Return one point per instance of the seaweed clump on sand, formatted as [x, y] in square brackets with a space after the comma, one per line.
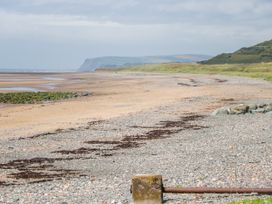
[38, 97]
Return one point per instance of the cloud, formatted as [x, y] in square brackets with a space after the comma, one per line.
[82, 28]
[149, 11]
[108, 4]
[77, 28]
[231, 7]
[134, 27]
[19, 23]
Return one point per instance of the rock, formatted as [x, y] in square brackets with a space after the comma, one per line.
[244, 108]
[85, 94]
[268, 108]
[259, 110]
[269, 113]
[239, 109]
[252, 107]
[221, 111]
[262, 105]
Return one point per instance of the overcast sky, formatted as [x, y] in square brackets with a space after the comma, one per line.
[60, 34]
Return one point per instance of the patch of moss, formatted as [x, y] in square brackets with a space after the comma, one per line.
[32, 98]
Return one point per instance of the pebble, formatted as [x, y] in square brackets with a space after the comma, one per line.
[226, 153]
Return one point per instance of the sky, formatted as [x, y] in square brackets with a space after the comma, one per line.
[61, 34]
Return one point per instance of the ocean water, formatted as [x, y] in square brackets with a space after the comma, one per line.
[53, 78]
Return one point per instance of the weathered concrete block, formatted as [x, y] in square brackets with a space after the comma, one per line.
[147, 189]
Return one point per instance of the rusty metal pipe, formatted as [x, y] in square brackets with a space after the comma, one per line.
[202, 190]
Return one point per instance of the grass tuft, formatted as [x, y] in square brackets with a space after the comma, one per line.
[257, 201]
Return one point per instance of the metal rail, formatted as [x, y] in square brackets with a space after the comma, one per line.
[202, 190]
[150, 189]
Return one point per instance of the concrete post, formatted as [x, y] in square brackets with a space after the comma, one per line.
[147, 189]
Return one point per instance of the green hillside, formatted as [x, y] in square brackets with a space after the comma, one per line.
[258, 53]
[258, 70]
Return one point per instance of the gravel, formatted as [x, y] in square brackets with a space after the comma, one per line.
[214, 151]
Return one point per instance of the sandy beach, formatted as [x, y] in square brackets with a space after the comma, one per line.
[113, 94]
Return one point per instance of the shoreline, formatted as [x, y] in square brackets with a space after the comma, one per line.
[116, 94]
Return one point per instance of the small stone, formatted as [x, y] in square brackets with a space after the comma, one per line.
[259, 110]
[220, 111]
[85, 94]
[252, 107]
[268, 108]
[262, 105]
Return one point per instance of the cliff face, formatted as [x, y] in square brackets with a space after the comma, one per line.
[261, 52]
[115, 62]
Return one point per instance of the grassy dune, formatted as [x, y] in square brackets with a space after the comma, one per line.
[260, 70]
